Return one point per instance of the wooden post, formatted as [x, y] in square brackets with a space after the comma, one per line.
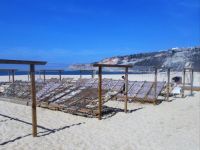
[92, 74]
[44, 73]
[13, 76]
[33, 94]
[40, 75]
[60, 75]
[80, 74]
[28, 75]
[126, 89]
[155, 84]
[191, 88]
[168, 83]
[183, 83]
[9, 75]
[100, 91]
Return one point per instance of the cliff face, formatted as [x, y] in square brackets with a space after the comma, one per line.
[176, 58]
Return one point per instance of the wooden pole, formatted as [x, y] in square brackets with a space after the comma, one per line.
[28, 75]
[100, 91]
[33, 94]
[92, 73]
[168, 83]
[9, 75]
[80, 74]
[191, 88]
[126, 89]
[13, 76]
[60, 76]
[44, 73]
[183, 83]
[155, 83]
[40, 74]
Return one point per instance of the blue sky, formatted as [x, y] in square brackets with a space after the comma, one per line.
[84, 31]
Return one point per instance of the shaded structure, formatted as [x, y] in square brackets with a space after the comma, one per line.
[148, 91]
[52, 70]
[100, 66]
[33, 91]
[168, 81]
[11, 72]
[191, 71]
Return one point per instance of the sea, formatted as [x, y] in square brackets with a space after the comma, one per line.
[68, 73]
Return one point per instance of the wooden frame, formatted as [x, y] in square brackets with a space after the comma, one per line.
[33, 91]
[85, 70]
[10, 72]
[191, 70]
[100, 66]
[47, 70]
[168, 80]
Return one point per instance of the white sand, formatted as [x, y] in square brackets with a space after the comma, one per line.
[132, 77]
[169, 126]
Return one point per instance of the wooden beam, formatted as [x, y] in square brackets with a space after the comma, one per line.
[126, 89]
[183, 94]
[112, 65]
[168, 83]
[33, 94]
[25, 62]
[100, 91]
[5, 70]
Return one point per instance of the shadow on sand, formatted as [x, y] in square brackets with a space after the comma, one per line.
[40, 134]
[114, 111]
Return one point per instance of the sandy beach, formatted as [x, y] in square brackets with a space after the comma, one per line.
[171, 125]
[99, 75]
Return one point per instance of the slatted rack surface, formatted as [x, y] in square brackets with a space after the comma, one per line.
[81, 96]
[160, 86]
[143, 92]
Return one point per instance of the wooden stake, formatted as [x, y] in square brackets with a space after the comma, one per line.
[9, 75]
[28, 76]
[60, 75]
[44, 75]
[168, 83]
[100, 91]
[33, 94]
[40, 74]
[191, 88]
[92, 73]
[183, 83]
[126, 89]
[13, 76]
[155, 83]
[80, 74]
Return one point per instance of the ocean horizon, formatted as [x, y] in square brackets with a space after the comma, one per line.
[71, 73]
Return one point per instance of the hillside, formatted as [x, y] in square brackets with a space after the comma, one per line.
[176, 58]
